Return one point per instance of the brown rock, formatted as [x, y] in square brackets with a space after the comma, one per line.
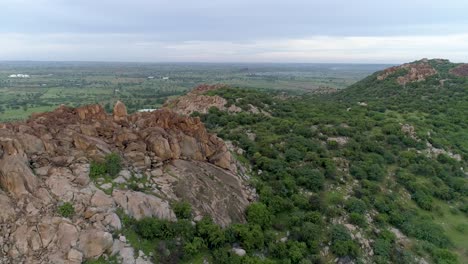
[140, 205]
[120, 112]
[16, 177]
[67, 236]
[416, 71]
[94, 243]
[7, 211]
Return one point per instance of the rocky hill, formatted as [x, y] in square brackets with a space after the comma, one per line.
[203, 97]
[374, 173]
[50, 162]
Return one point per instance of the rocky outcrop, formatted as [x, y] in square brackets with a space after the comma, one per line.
[415, 72]
[120, 112]
[198, 101]
[140, 205]
[45, 163]
[93, 243]
[209, 189]
[460, 71]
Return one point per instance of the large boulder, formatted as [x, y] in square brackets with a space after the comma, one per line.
[140, 205]
[120, 112]
[94, 242]
[16, 176]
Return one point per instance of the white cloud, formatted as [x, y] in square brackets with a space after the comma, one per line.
[144, 48]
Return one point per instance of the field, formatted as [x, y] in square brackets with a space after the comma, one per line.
[143, 86]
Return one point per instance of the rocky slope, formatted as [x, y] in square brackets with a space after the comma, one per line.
[416, 71]
[199, 101]
[45, 162]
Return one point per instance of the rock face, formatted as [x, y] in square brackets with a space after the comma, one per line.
[197, 101]
[460, 71]
[416, 71]
[202, 184]
[120, 112]
[45, 162]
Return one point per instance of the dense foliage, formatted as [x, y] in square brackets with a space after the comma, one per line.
[373, 182]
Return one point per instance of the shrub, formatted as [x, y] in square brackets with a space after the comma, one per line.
[357, 219]
[211, 233]
[113, 164]
[382, 248]
[355, 205]
[342, 244]
[194, 247]
[183, 210]
[152, 228]
[258, 214]
[96, 170]
[66, 209]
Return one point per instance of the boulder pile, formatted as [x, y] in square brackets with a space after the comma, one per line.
[45, 165]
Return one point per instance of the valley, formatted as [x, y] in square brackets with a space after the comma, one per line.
[148, 86]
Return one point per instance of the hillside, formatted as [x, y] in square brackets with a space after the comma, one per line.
[70, 178]
[374, 173]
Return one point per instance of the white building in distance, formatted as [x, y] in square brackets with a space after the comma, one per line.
[19, 76]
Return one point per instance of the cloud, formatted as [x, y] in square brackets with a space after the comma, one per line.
[144, 48]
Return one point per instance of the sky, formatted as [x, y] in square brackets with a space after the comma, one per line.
[331, 31]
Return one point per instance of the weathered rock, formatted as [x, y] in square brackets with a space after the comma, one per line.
[139, 205]
[239, 251]
[416, 71]
[210, 190]
[16, 177]
[94, 243]
[60, 145]
[120, 112]
[67, 236]
[100, 199]
[75, 256]
[7, 211]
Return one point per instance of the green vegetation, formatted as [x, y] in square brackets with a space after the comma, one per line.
[378, 167]
[66, 210]
[143, 86]
[384, 175]
[110, 167]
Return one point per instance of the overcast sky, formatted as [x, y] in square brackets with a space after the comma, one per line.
[359, 31]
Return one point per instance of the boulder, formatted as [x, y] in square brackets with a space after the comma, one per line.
[120, 112]
[67, 236]
[239, 251]
[16, 177]
[94, 242]
[100, 199]
[140, 205]
[7, 210]
[75, 256]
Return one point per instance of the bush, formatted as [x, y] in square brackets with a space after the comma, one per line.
[211, 233]
[355, 205]
[258, 214]
[97, 170]
[152, 228]
[382, 248]
[342, 244]
[183, 210]
[113, 164]
[194, 247]
[66, 209]
[358, 219]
